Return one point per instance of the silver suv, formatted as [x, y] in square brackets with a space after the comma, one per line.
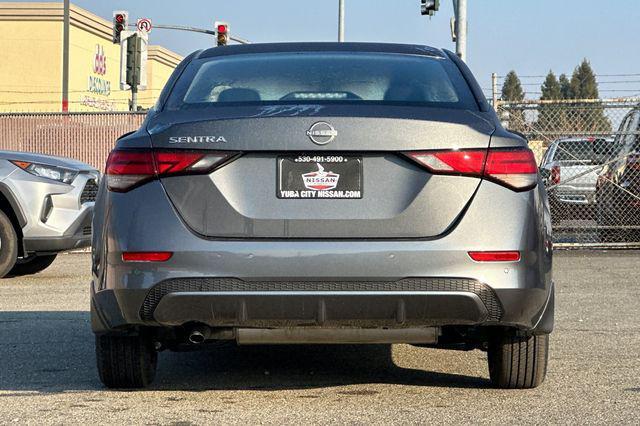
[322, 193]
[46, 206]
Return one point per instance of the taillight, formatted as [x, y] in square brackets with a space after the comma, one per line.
[127, 169]
[555, 175]
[514, 168]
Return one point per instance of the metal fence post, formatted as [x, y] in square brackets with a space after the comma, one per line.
[494, 91]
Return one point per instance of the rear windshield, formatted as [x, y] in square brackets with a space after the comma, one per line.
[574, 151]
[321, 77]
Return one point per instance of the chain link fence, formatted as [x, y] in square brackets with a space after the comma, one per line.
[588, 154]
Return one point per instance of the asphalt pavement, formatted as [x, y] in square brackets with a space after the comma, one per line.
[47, 372]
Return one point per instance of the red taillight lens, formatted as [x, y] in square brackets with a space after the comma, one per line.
[127, 169]
[469, 162]
[515, 168]
[495, 256]
[155, 256]
[555, 175]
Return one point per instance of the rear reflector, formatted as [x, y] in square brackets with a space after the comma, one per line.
[495, 256]
[514, 168]
[155, 256]
[127, 169]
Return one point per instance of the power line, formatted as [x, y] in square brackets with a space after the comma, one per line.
[597, 82]
[57, 92]
[596, 75]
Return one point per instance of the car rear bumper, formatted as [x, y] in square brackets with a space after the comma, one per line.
[576, 196]
[443, 302]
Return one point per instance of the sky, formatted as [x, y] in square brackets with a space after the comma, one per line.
[528, 36]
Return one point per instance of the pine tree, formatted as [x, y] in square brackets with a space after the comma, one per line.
[565, 87]
[587, 117]
[512, 92]
[550, 117]
[511, 88]
[551, 89]
[583, 82]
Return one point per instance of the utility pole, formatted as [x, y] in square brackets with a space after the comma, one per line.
[65, 56]
[341, 20]
[494, 90]
[460, 7]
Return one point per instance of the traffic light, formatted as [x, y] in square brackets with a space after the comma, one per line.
[429, 7]
[134, 60]
[222, 32]
[120, 21]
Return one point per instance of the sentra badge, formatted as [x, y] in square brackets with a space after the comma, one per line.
[197, 139]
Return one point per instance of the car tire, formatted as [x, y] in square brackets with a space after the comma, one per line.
[518, 362]
[32, 265]
[8, 245]
[126, 362]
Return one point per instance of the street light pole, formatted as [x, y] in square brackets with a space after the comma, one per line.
[65, 56]
[341, 20]
[461, 28]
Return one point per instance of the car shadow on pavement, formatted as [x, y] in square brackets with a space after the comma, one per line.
[51, 352]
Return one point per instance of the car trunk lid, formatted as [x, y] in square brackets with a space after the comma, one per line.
[395, 198]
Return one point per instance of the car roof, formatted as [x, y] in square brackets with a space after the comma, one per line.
[407, 49]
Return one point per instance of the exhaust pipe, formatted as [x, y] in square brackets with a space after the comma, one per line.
[202, 333]
[197, 336]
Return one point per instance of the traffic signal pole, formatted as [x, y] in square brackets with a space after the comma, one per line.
[460, 7]
[341, 21]
[65, 56]
[199, 30]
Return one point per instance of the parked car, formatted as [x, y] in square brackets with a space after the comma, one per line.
[568, 166]
[46, 207]
[618, 189]
[322, 193]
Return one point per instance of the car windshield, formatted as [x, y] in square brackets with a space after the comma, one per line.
[321, 77]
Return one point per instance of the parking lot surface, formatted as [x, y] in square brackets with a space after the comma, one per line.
[47, 372]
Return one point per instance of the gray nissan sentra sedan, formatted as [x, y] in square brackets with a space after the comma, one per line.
[312, 193]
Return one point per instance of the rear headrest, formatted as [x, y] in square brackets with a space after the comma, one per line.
[239, 95]
[404, 93]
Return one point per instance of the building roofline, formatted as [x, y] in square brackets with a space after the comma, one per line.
[164, 55]
[79, 18]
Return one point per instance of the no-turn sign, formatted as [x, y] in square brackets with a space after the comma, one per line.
[144, 25]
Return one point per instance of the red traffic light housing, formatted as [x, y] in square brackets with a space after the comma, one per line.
[120, 20]
[222, 33]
